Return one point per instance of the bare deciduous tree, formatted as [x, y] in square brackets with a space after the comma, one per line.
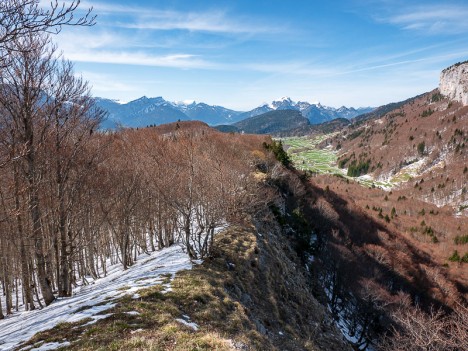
[20, 18]
[416, 330]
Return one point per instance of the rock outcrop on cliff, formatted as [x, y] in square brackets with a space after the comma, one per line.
[454, 82]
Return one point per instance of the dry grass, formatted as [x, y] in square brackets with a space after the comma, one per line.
[248, 296]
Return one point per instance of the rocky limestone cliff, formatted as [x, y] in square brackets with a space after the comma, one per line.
[454, 82]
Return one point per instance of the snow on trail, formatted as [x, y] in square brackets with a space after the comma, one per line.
[95, 298]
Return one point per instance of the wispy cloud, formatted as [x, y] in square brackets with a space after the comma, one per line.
[182, 61]
[109, 47]
[431, 18]
[297, 68]
[208, 21]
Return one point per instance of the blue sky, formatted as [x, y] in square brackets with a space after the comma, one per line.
[241, 53]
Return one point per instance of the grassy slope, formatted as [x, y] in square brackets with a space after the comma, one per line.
[308, 156]
[250, 296]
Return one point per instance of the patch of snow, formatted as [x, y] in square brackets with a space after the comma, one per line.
[191, 325]
[366, 177]
[414, 168]
[133, 313]
[440, 161]
[90, 300]
[167, 288]
[94, 319]
[342, 322]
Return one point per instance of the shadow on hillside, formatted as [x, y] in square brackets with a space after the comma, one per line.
[366, 249]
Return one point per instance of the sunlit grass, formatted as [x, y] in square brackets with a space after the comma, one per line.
[307, 156]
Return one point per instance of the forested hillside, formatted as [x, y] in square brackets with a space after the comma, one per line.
[419, 147]
[72, 197]
[273, 122]
[228, 246]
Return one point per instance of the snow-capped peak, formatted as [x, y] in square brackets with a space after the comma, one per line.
[282, 103]
[185, 102]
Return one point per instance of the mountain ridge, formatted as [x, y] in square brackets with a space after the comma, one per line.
[146, 111]
[271, 122]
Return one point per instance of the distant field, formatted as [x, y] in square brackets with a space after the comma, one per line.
[306, 156]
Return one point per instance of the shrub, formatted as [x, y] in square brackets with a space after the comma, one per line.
[277, 148]
[429, 231]
[342, 163]
[461, 239]
[427, 112]
[356, 169]
[421, 148]
[436, 97]
[455, 257]
[355, 134]
[278, 215]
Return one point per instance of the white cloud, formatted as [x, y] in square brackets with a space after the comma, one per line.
[210, 21]
[119, 48]
[431, 18]
[184, 61]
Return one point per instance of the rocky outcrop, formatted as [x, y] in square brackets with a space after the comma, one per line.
[454, 82]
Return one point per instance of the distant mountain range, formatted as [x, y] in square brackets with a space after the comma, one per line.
[273, 122]
[315, 113]
[155, 111]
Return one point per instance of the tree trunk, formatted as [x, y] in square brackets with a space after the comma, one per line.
[26, 278]
[161, 242]
[7, 287]
[25, 273]
[63, 278]
[192, 254]
[34, 208]
[1, 312]
[70, 271]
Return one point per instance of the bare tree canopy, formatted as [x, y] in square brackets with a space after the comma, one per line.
[20, 17]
